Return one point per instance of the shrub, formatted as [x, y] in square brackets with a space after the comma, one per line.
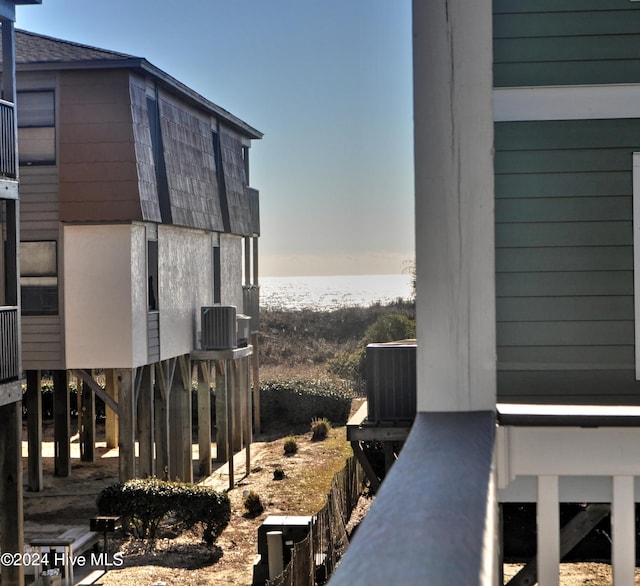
[297, 402]
[252, 503]
[146, 503]
[290, 445]
[278, 474]
[320, 428]
[388, 327]
[201, 504]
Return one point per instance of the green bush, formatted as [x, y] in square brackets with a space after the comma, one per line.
[202, 504]
[148, 502]
[290, 445]
[252, 503]
[296, 402]
[306, 336]
[320, 428]
[388, 327]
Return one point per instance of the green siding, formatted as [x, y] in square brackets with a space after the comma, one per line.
[565, 258]
[568, 42]
[564, 261]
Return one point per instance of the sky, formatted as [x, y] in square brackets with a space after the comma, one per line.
[328, 82]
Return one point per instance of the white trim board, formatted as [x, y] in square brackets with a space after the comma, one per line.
[581, 102]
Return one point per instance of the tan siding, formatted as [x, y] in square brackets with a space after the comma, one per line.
[96, 148]
[42, 343]
[36, 80]
[39, 209]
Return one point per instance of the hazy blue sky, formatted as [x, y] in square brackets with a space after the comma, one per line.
[329, 84]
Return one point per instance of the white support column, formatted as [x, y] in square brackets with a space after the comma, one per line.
[453, 121]
[548, 531]
[623, 524]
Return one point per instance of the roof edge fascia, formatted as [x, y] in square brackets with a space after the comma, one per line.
[141, 64]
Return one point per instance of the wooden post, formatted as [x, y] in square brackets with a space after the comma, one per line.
[248, 436]
[255, 366]
[230, 422]
[237, 395]
[126, 423]
[87, 422]
[34, 430]
[111, 419]
[222, 454]
[161, 412]
[204, 418]
[11, 520]
[61, 423]
[180, 444]
[455, 245]
[146, 424]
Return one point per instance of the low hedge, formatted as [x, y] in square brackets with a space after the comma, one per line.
[298, 402]
[148, 502]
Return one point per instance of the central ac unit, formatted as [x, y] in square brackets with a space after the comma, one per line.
[219, 330]
[391, 381]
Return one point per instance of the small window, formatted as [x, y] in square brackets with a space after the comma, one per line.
[152, 274]
[39, 278]
[36, 128]
[217, 281]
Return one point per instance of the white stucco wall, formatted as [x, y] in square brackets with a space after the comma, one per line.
[105, 291]
[105, 296]
[185, 277]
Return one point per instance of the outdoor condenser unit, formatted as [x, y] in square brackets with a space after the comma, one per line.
[219, 330]
[391, 381]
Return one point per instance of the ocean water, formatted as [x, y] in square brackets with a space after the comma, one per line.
[332, 292]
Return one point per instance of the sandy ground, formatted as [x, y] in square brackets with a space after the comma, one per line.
[185, 560]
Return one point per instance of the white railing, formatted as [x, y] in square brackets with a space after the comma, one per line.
[566, 454]
[433, 521]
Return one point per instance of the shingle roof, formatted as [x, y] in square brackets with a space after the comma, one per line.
[34, 48]
[35, 51]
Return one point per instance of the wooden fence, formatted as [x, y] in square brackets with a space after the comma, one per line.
[314, 558]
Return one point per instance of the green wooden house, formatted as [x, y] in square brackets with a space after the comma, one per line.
[567, 134]
[527, 142]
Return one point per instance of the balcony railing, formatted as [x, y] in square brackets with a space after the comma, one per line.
[433, 521]
[9, 347]
[8, 163]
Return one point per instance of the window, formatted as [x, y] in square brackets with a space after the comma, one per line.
[36, 128]
[152, 274]
[39, 278]
[217, 281]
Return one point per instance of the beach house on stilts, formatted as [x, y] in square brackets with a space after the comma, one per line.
[528, 377]
[137, 214]
[11, 520]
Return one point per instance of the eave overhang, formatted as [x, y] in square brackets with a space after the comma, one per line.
[164, 79]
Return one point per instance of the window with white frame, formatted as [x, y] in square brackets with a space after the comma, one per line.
[39, 277]
[36, 127]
